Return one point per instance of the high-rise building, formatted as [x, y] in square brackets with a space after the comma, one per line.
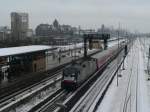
[43, 30]
[19, 25]
[4, 33]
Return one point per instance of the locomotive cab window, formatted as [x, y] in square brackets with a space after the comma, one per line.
[73, 75]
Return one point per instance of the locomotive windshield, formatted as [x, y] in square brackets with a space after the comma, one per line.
[71, 71]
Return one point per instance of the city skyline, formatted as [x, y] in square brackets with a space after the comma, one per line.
[132, 14]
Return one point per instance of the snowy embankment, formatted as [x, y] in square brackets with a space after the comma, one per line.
[131, 95]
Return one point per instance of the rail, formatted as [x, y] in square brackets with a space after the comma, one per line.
[71, 101]
[28, 94]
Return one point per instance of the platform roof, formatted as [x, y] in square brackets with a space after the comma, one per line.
[11, 51]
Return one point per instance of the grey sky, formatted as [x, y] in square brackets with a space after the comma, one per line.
[132, 14]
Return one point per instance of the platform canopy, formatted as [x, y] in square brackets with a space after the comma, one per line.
[11, 51]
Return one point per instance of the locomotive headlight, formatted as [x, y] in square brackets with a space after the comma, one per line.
[73, 74]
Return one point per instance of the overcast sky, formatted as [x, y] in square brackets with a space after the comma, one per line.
[132, 14]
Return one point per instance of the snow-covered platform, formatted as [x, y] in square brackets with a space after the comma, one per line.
[133, 92]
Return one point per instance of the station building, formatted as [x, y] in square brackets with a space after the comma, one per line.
[24, 59]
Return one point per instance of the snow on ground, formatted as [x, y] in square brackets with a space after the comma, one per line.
[79, 45]
[145, 43]
[131, 95]
[113, 43]
[72, 46]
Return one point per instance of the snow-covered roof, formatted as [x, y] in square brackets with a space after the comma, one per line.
[23, 49]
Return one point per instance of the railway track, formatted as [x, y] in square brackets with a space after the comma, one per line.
[132, 93]
[32, 96]
[84, 104]
[12, 98]
[28, 82]
[127, 96]
[92, 98]
[72, 100]
[137, 85]
[53, 103]
[29, 88]
[21, 86]
[60, 97]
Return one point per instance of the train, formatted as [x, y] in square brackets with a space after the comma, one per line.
[78, 72]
